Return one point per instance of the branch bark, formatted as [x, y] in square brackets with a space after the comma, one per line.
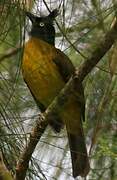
[11, 52]
[59, 101]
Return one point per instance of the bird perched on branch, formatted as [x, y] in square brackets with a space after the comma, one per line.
[46, 69]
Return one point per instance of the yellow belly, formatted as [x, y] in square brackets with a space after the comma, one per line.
[40, 72]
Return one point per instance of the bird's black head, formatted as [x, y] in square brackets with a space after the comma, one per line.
[42, 27]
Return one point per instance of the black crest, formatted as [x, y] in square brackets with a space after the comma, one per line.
[42, 27]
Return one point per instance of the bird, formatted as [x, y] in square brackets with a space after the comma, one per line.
[46, 70]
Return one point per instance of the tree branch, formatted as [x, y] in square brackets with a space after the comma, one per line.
[59, 101]
[11, 52]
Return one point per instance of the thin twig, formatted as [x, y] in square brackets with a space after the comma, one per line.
[11, 52]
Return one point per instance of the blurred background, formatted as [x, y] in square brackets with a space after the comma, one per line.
[80, 27]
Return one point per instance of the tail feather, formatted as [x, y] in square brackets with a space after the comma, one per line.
[80, 161]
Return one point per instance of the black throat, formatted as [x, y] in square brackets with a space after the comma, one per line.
[47, 37]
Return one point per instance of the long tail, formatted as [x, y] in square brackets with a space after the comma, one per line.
[80, 161]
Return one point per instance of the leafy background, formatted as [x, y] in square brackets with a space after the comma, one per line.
[80, 26]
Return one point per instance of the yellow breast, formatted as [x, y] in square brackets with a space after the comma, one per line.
[40, 72]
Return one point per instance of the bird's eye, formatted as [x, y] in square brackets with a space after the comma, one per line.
[41, 24]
